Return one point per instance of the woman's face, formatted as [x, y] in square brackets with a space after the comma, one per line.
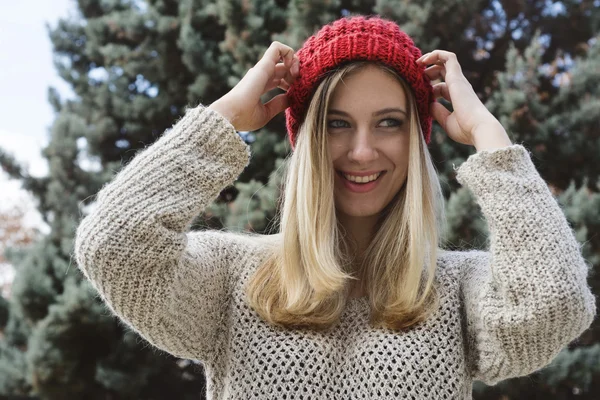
[368, 130]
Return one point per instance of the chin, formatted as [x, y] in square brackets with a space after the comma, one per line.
[360, 212]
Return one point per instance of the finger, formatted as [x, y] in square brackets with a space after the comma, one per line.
[259, 77]
[447, 58]
[283, 72]
[295, 68]
[257, 80]
[440, 114]
[272, 85]
[277, 83]
[276, 105]
[275, 53]
[289, 77]
[436, 72]
[265, 73]
[458, 85]
[441, 90]
[292, 72]
[284, 85]
[280, 70]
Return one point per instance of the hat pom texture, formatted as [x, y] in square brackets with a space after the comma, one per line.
[353, 39]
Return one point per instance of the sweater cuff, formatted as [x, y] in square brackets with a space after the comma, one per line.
[513, 159]
[209, 129]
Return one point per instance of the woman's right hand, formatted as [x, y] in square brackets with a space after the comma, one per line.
[242, 106]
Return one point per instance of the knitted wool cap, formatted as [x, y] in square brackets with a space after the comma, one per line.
[350, 39]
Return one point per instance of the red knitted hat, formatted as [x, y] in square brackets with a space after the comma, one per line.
[350, 39]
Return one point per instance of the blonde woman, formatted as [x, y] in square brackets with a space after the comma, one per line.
[352, 298]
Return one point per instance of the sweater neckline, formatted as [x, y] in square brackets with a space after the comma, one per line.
[356, 302]
[357, 298]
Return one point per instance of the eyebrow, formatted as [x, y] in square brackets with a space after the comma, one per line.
[375, 114]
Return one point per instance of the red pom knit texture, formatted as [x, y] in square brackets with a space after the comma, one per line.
[353, 39]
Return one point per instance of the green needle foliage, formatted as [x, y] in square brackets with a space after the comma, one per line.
[135, 65]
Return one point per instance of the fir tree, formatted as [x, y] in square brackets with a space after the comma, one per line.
[136, 65]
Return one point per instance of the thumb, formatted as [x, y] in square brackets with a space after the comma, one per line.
[440, 114]
[276, 105]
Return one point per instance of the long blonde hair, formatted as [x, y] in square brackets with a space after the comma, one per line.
[305, 281]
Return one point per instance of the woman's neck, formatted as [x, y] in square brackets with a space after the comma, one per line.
[360, 230]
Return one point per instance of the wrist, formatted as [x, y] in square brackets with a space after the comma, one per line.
[490, 136]
[221, 108]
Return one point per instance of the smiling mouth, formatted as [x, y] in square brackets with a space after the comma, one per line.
[361, 180]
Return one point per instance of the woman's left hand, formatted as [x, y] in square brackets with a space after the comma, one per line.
[470, 123]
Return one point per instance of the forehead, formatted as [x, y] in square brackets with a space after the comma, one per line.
[367, 89]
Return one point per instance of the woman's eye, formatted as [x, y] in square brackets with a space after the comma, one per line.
[337, 123]
[391, 122]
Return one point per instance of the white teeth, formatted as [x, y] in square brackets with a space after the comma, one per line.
[362, 179]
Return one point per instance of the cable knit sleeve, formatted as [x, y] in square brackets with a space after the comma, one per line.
[169, 285]
[527, 297]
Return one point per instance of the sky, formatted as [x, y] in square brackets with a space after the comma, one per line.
[26, 72]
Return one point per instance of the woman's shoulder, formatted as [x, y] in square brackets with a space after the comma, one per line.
[457, 262]
[236, 252]
[228, 243]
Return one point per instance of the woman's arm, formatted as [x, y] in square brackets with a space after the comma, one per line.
[169, 286]
[528, 297]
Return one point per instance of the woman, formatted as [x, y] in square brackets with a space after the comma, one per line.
[352, 299]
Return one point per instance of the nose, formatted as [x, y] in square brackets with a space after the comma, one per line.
[362, 148]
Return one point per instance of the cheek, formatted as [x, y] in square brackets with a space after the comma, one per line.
[397, 152]
[336, 150]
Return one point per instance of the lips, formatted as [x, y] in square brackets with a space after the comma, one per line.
[358, 187]
[361, 179]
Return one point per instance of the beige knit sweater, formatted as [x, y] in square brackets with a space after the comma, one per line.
[504, 313]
